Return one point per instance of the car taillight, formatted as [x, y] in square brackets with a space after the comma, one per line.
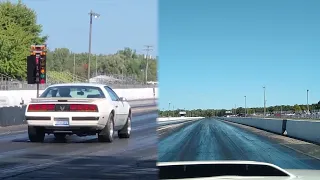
[41, 107]
[84, 107]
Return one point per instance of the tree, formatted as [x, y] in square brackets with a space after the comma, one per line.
[221, 112]
[297, 108]
[123, 63]
[270, 109]
[18, 30]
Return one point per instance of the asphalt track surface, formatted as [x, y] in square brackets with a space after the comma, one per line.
[212, 139]
[83, 157]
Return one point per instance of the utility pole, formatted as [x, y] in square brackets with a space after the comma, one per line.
[95, 15]
[308, 101]
[74, 66]
[245, 106]
[172, 110]
[169, 110]
[147, 49]
[264, 102]
[96, 65]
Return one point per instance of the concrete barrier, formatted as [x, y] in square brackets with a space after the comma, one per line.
[304, 130]
[272, 125]
[172, 120]
[16, 97]
[13, 115]
[299, 129]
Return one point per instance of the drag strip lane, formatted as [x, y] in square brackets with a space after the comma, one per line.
[212, 139]
[22, 158]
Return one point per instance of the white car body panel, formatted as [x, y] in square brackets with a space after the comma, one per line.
[293, 174]
[105, 107]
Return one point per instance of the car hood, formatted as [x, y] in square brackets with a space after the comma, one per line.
[249, 169]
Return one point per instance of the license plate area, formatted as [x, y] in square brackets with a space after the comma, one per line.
[61, 121]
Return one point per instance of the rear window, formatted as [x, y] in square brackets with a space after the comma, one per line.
[73, 92]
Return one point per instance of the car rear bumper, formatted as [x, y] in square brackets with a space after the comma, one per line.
[91, 122]
[71, 130]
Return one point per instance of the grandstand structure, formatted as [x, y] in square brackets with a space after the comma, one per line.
[54, 77]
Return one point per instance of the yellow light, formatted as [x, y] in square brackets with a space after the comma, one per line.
[42, 71]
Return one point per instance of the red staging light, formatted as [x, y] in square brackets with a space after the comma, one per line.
[42, 81]
[41, 107]
[84, 107]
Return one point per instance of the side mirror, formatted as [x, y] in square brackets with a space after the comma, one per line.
[122, 99]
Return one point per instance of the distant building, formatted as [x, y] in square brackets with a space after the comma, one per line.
[228, 112]
[182, 113]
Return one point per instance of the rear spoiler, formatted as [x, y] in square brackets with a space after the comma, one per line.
[85, 100]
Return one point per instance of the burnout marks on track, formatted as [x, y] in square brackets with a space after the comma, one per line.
[123, 159]
[171, 146]
[212, 139]
[309, 149]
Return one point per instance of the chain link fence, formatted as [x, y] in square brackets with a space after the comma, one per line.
[114, 81]
[313, 115]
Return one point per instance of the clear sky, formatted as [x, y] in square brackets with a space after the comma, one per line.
[213, 53]
[123, 23]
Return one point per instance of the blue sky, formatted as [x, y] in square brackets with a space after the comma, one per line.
[213, 53]
[123, 23]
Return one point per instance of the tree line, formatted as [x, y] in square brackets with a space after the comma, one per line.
[19, 30]
[125, 62]
[240, 110]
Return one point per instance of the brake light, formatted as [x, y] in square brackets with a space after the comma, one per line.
[41, 107]
[84, 107]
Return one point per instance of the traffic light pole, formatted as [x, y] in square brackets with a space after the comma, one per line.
[36, 66]
[38, 89]
[37, 77]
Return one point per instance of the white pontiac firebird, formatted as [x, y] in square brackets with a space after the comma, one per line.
[82, 109]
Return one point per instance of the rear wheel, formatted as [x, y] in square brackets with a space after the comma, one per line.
[106, 135]
[60, 136]
[126, 130]
[36, 134]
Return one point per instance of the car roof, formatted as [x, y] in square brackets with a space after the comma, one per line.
[80, 84]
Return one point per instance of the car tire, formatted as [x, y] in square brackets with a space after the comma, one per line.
[126, 130]
[60, 136]
[36, 134]
[106, 135]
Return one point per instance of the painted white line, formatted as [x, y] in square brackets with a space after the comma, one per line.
[13, 132]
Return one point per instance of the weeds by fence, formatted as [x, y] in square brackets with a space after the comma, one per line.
[114, 81]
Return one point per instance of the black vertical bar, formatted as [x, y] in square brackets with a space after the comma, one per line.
[31, 69]
[37, 89]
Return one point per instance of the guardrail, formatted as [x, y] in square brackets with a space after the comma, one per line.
[307, 130]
